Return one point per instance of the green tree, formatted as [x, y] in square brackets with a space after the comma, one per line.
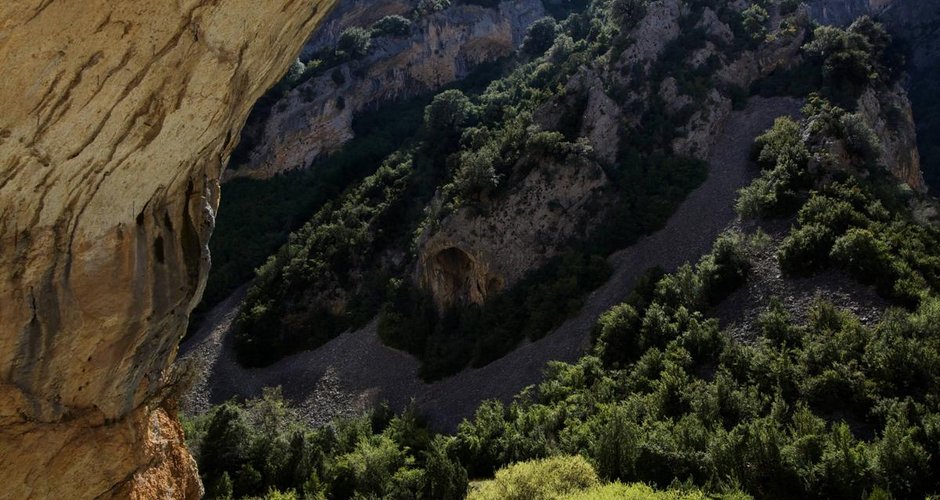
[392, 26]
[445, 118]
[628, 13]
[446, 479]
[226, 444]
[354, 42]
[540, 37]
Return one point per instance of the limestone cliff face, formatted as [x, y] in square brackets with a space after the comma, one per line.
[890, 116]
[470, 255]
[117, 119]
[845, 11]
[911, 20]
[473, 256]
[316, 117]
[348, 13]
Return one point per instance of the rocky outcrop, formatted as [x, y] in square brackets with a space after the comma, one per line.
[781, 52]
[117, 120]
[915, 23]
[473, 255]
[655, 31]
[316, 117]
[890, 116]
[349, 13]
[844, 11]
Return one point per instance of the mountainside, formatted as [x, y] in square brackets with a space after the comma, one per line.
[915, 24]
[843, 12]
[352, 13]
[525, 249]
[316, 117]
[117, 122]
[523, 222]
[519, 192]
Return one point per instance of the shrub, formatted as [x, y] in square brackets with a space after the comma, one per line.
[354, 42]
[616, 449]
[538, 480]
[391, 26]
[628, 13]
[806, 249]
[725, 268]
[426, 7]
[852, 58]
[615, 491]
[783, 139]
[618, 334]
[860, 139]
[900, 461]
[476, 176]
[861, 253]
[447, 115]
[540, 36]
[756, 199]
[755, 20]
[446, 479]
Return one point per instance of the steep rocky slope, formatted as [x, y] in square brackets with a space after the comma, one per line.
[521, 190]
[348, 13]
[845, 11]
[355, 372]
[316, 117]
[917, 24]
[117, 121]
[472, 254]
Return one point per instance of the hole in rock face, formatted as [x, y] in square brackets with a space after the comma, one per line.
[158, 250]
[459, 279]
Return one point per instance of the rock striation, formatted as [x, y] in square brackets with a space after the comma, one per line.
[118, 118]
[316, 117]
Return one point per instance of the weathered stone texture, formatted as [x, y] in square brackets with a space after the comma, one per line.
[117, 118]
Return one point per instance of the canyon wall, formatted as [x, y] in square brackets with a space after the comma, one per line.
[316, 117]
[117, 120]
[348, 13]
[474, 252]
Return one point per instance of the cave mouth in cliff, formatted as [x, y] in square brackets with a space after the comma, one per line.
[454, 271]
[460, 279]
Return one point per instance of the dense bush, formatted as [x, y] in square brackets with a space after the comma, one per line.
[628, 13]
[255, 217]
[852, 59]
[843, 220]
[540, 36]
[354, 42]
[476, 335]
[762, 418]
[783, 158]
[546, 479]
[391, 26]
[260, 447]
[820, 409]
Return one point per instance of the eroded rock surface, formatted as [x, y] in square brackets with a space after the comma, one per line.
[117, 119]
[479, 250]
[349, 13]
[316, 118]
[890, 116]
